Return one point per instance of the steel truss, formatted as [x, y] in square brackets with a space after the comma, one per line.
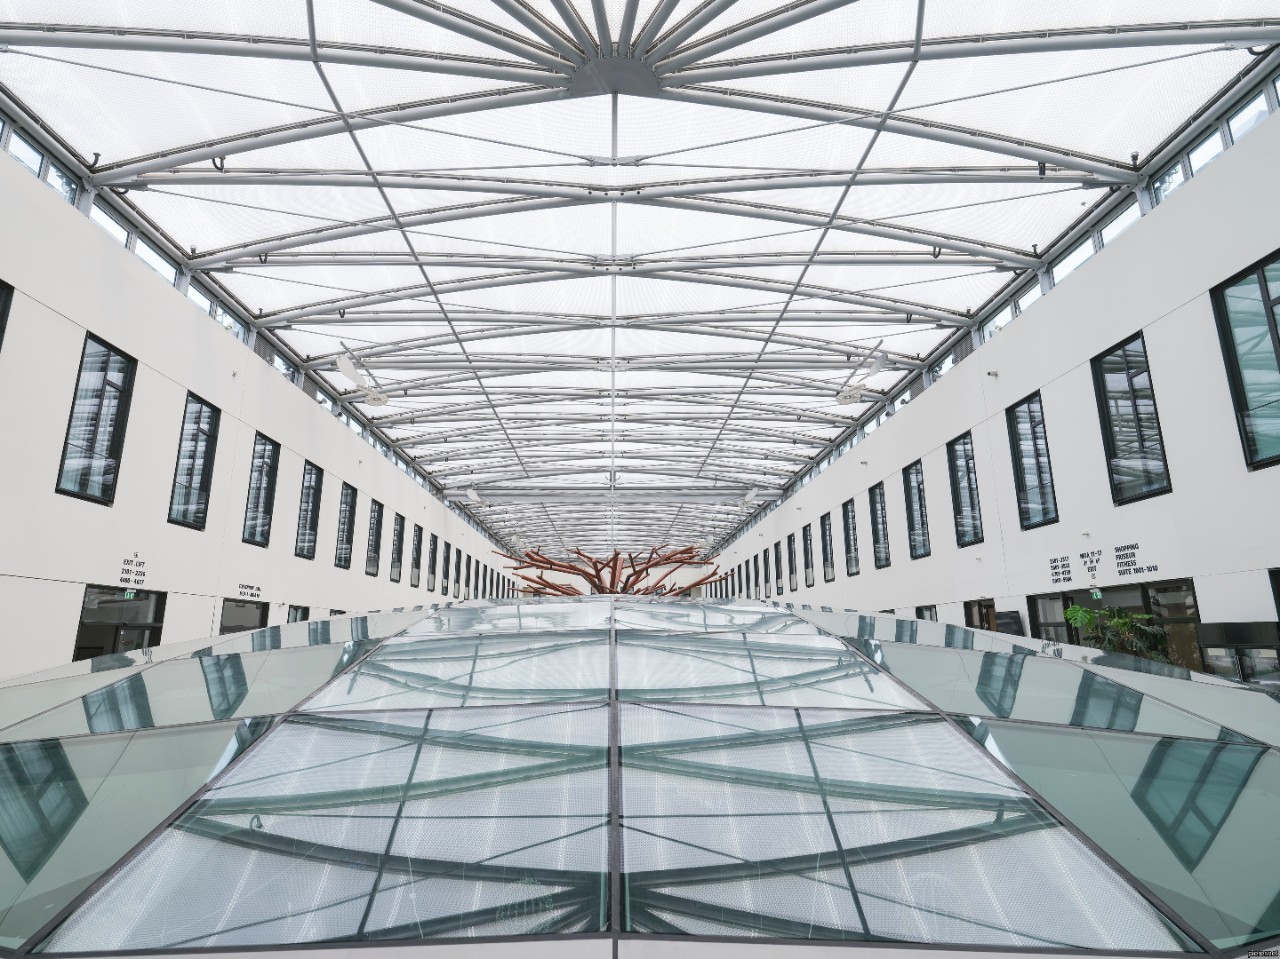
[766, 337]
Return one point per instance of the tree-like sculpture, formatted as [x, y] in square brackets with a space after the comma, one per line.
[637, 574]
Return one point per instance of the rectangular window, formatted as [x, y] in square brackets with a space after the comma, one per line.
[777, 566]
[415, 557]
[879, 526]
[397, 548]
[304, 545]
[806, 543]
[433, 550]
[768, 574]
[373, 552]
[149, 255]
[964, 491]
[299, 614]
[262, 491]
[755, 577]
[346, 526]
[1247, 117]
[95, 432]
[828, 548]
[850, 538]
[458, 560]
[109, 224]
[917, 512]
[193, 473]
[6, 300]
[444, 576]
[792, 582]
[1032, 471]
[1130, 423]
[928, 613]
[1247, 316]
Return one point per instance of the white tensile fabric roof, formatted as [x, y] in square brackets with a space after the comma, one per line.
[612, 261]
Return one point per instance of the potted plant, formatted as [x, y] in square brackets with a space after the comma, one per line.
[1116, 630]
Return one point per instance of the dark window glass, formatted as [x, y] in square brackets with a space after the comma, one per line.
[1032, 471]
[806, 545]
[42, 800]
[466, 579]
[964, 490]
[927, 613]
[346, 526]
[917, 513]
[309, 511]
[1247, 312]
[262, 491]
[998, 680]
[95, 432]
[777, 566]
[459, 559]
[397, 548]
[828, 548]
[755, 578]
[373, 553]
[1130, 423]
[6, 301]
[433, 549]
[768, 574]
[299, 614]
[193, 474]
[1102, 704]
[444, 575]
[879, 526]
[850, 538]
[415, 557]
[792, 582]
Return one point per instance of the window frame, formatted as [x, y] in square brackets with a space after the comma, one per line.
[208, 454]
[806, 551]
[6, 304]
[349, 510]
[919, 545]
[1230, 358]
[433, 558]
[415, 558]
[116, 443]
[793, 578]
[309, 471]
[849, 523]
[880, 530]
[777, 567]
[373, 546]
[269, 497]
[972, 487]
[397, 548]
[1018, 479]
[1108, 427]
[826, 542]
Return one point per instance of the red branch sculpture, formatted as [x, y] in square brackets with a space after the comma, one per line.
[635, 573]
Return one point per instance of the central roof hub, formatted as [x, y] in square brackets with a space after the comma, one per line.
[601, 75]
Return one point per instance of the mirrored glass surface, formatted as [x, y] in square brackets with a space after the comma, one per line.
[827, 824]
[418, 673]
[70, 809]
[194, 690]
[1194, 820]
[753, 669]
[756, 617]
[396, 825]
[21, 702]
[529, 616]
[1036, 689]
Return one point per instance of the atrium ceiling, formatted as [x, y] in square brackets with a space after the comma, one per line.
[622, 269]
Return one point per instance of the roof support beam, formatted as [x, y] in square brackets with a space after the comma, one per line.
[112, 174]
[626, 29]
[545, 31]
[273, 48]
[415, 318]
[576, 494]
[436, 13]
[1243, 32]
[763, 25]
[924, 129]
[699, 18]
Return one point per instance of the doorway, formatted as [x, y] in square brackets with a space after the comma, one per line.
[114, 620]
[242, 614]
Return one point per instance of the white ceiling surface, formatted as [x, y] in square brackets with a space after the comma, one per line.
[595, 279]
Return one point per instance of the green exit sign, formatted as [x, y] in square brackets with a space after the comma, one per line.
[130, 594]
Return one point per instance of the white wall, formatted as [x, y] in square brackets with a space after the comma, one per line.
[1220, 525]
[70, 277]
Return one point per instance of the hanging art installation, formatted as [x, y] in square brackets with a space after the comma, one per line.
[635, 574]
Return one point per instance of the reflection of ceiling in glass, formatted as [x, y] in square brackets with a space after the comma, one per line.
[622, 767]
[619, 255]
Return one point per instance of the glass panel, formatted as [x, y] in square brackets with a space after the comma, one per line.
[1186, 817]
[751, 669]
[806, 544]
[1207, 150]
[25, 152]
[964, 491]
[69, 810]
[193, 690]
[262, 491]
[824, 832]
[997, 323]
[850, 523]
[63, 182]
[405, 825]
[109, 223]
[1247, 117]
[1131, 424]
[149, 255]
[1168, 181]
[95, 434]
[828, 548]
[879, 526]
[417, 673]
[1069, 263]
[1120, 222]
[917, 515]
[1257, 368]
[373, 552]
[193, 475]
[346, 527]
[309, 511]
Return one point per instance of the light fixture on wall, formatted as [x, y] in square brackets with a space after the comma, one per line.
[852, 392]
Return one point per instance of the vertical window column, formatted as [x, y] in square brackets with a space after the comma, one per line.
[260, 502]
[95, 432]
[828, 548]
[433, 549]
[415, 557]
[917, 515]
[964, 491]
[309, 511]
[193, 472]
[777, 566]
[1130, 424]
[793, 583]
[1032, 471]
[397, 548]
[1247, 317]
[346, 526]
[373, 552]
[806, 542]
[879, 526]
[850, 538]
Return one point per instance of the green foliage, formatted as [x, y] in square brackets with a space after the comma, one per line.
[1117, 630]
